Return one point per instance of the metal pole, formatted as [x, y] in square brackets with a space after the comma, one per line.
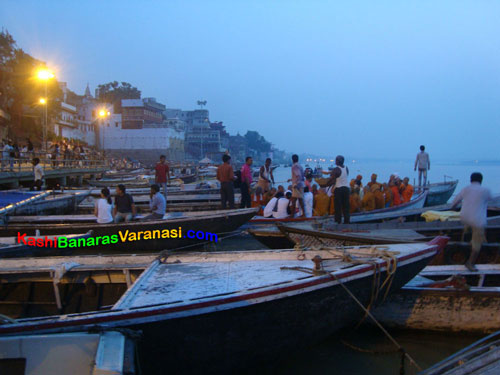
[44, 130]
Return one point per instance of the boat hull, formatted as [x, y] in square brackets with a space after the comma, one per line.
[208, 224]
[441, 310]
[440, 193]
[231, 334]
[60, 205]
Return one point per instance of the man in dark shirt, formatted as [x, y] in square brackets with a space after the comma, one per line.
[225, 175]
[124, 209]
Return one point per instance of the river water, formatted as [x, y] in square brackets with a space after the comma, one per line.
[437, 173]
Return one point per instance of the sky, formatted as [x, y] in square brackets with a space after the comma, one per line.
[367, 79]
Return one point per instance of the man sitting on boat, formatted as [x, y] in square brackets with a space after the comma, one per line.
[368, 203]
[407, 190]
[157, 204]
[354, 198]
[376, 189]
[321, 203]
[278, 206]
[124, 209]
[473, 214]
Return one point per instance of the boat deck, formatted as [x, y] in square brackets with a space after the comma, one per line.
[193, 278]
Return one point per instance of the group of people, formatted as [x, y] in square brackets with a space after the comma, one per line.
[376, 195]
[303, 198]
[123, 208]
[12, 151]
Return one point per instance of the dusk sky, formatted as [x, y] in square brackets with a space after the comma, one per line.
[365, 78]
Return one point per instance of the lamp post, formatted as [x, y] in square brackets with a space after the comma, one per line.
[44, 75]
[103, 114]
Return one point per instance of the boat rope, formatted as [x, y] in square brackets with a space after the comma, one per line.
[369, 314]
[380, 252]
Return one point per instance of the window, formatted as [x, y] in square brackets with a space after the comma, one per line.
[116, 124]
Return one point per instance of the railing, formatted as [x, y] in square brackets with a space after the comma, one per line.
[23, 164]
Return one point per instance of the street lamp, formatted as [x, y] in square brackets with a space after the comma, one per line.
[44, 75]
[103, 113]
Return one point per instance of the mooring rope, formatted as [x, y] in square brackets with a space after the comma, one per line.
[391, 267]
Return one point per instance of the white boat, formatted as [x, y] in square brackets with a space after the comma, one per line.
[76, 353]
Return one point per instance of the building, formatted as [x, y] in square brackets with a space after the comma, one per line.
[77, 116]
[141, 132]
[137, 112]
[202, 138]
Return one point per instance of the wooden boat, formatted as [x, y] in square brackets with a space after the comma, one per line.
[238, 302]
[417, 203]
[274, 238]
[480, 358]
[78, 353]
[440, 193]
[134, 183]
[12, 247]
[88, 208]
[52, 204]
[12, 200]
[208, 226]
[446, 298]
[314, 237]
[187, 178]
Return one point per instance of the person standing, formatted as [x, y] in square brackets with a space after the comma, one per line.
[103, 209]
[297, 185]
[423, 162]
[31, 149]
[38, 172]
[474, 200]
[246, 180]
[7, 155]
[157, 204]
[124, 209]
[341, 190]
[162, 174]
[266, 176]
[225, 175]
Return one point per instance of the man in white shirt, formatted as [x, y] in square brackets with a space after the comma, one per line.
[424, 164]
[474, 200]
[278, 206]
[38, 172]
[308, 203]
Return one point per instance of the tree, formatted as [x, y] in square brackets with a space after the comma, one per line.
[114, 92]
[20, 91]
[257, 142]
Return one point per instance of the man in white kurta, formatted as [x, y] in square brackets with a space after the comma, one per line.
[474, 200]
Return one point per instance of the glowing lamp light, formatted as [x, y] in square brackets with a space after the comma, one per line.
[45, 74]
[102, 113]
[43, 101]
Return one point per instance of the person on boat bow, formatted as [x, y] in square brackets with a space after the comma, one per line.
[423, 162]
[473, 214]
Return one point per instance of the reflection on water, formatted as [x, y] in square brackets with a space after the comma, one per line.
[375, 354]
